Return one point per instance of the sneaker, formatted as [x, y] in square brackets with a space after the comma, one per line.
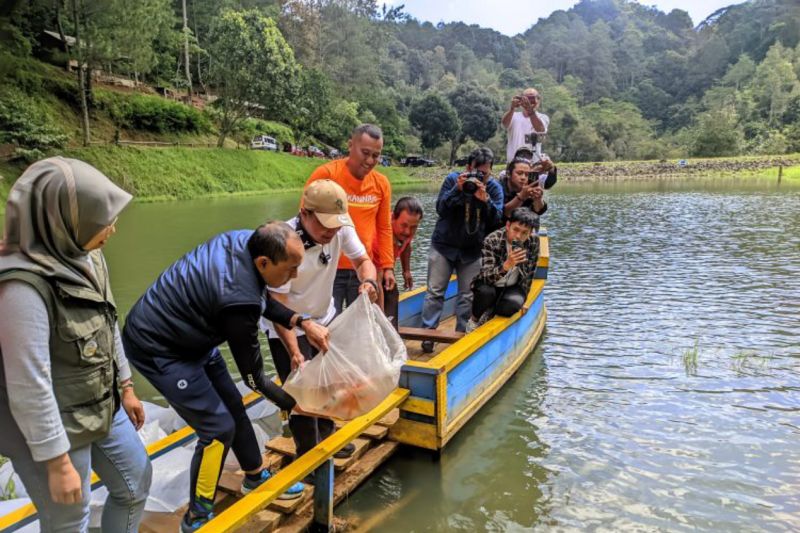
[190, 523]
[427, 346]
[345, 452]
[472, 325]
[295, 491]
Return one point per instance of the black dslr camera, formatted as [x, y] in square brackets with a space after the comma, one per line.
[474, 179]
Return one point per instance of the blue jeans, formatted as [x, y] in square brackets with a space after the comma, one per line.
[439, 271]
[122, 464]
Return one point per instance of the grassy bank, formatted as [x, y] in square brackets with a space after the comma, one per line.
[184, 173]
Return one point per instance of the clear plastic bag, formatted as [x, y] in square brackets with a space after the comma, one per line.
[359, 370]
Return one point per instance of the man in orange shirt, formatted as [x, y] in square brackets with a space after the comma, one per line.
[369, 199]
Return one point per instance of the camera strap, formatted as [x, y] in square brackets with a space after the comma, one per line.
[467, 216]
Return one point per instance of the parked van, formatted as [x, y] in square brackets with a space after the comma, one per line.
[264, 142]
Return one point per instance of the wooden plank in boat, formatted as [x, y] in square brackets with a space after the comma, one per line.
[290, 506]
[231, 480]
[390, 419]
[262, 521]
[435, 335]
[361, 446]
[282, 445]
[345, 484]
[375, 432]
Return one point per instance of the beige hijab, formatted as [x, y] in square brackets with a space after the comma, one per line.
[54, 209]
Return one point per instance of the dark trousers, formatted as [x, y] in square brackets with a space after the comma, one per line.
[307, 431]
[391, 304]
[203, 393]
[345, 289]
[505, 301]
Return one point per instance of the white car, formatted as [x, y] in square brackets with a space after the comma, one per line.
[264, 142]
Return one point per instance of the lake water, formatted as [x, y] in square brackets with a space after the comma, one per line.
[665, 394]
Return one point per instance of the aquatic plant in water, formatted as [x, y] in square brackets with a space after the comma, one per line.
[748, 362]
[690, 359]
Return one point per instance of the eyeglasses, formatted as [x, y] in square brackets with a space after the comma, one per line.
[324, 258]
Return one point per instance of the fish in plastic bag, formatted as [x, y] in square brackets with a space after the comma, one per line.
[361, 367]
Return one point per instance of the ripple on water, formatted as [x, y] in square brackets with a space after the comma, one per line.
[666, 392]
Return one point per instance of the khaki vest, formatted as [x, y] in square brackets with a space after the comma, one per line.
[81, 355]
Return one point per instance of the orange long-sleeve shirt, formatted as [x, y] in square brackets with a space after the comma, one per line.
[369, 202]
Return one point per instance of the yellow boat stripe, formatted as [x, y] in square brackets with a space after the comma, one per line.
[210, 466]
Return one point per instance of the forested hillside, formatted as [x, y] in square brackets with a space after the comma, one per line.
[618, 79]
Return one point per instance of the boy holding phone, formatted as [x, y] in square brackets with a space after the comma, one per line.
[508, 262]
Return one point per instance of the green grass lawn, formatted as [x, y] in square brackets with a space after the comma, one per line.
[183, 173]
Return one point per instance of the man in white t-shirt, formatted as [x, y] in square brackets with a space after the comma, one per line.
[327, 232]
[527, 126]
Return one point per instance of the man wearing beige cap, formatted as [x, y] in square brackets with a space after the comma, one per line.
[327, 233]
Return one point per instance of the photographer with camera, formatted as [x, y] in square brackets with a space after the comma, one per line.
[469, 205]
[527, 126]
[508, 262]
[524, 182]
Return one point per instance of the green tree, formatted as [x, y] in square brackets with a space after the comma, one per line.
[478, 115]
[436, 120]
[716, 134]
[621, 126]
[775, 83]
[312, 108]
[740, 73]
[252, 68]
[586, 145]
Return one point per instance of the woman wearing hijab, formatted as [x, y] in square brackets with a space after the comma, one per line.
[63, 371]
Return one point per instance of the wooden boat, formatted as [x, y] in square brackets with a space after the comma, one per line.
[437, 395]
[450, 385]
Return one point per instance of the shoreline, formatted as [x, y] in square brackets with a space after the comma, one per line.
[157, 175]
[744, 167]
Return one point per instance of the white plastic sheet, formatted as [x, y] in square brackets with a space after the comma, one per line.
[168, 420]
[170, 488]
[151, 432]
[361, 368]
[11, 486]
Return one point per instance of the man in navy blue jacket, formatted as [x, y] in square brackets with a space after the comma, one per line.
[470, 205]
[217, 293]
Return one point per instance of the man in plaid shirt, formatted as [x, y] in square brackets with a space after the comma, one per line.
[508, 262]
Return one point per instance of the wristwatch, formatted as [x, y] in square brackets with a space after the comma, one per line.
[299, 321]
